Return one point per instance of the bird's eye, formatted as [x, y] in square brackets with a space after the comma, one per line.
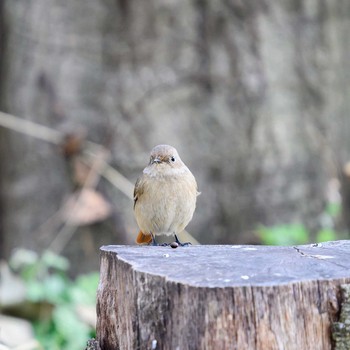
[172, 159]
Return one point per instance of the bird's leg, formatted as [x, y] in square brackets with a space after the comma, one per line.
[154, 242]
[181, 244]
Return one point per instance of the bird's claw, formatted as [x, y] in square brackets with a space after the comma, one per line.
[154, 242]
[186, 244]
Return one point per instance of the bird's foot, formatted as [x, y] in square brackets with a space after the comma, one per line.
[154, 242]
[186, 244]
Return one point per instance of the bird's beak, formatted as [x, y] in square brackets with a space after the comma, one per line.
[156, 160]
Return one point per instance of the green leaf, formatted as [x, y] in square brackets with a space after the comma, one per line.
[47, 335]
[84, 289]
[73, 331]
[333, 209]
[52, 289]
[35, 291]
[283, 234]
[23, 257]
[325, 235]
[52, 260]
[56, 288]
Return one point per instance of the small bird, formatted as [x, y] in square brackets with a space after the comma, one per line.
[164, 196]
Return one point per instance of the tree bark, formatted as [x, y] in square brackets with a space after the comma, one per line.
[341, 329]
[220, 297]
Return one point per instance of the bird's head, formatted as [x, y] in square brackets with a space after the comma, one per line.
[164, 158]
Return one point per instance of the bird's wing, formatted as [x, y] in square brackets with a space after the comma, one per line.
[142, 238]
[138, 190]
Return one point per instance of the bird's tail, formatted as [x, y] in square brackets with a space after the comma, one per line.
[143, 238]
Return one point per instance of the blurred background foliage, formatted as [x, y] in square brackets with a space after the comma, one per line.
[61, 309]
[254, 95]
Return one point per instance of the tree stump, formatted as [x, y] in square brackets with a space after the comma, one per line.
[221, 297]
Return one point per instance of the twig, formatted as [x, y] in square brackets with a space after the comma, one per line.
[30, 128]
[113, 176]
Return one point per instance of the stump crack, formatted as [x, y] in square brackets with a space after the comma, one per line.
[320, 257]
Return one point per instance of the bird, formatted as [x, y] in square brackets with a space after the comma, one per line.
[165, 196]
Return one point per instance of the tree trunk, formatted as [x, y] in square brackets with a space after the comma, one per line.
[220, 297]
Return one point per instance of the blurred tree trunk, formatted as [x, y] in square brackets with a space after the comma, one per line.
[2, 40]
[253, 94]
